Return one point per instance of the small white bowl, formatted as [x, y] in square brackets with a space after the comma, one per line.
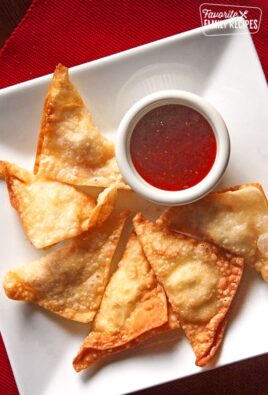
[124, 161]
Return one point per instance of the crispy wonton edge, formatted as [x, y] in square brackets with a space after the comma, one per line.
[29, 295]
[234, 188]
[220, 318]
[60, 69]
[80, 362]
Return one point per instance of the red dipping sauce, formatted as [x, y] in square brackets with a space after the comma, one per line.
[173, 147]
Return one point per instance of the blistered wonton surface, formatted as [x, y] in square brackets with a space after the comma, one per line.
[134, 304]
[199, 278]
[70, 281]
[70, 147]
[236, 219]
[52, 211]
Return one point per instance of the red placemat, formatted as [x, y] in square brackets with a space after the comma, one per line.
[74, 32]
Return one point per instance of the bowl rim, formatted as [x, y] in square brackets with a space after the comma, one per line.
[142, 107]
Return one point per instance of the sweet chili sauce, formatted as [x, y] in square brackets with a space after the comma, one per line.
[173, 147]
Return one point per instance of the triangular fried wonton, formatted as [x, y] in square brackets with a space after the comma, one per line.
[235, 219]
[52, 211]
[70, 281]
[70, 148]
[200, 280]
[133, 307]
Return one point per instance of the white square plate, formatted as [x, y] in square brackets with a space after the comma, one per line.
[226, 71]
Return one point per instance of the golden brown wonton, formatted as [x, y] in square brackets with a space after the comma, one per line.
[52, 211]
[70, 147]
[71, 280]
[236, 219]
[199, 278]
[134, 304]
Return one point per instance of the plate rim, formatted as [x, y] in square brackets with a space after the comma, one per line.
[124, 54]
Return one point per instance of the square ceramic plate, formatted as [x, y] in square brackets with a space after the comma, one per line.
[226, 71]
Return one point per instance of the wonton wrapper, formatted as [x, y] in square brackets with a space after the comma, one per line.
[200, 280]
[235, 219]
[133, 307]
[52, 211]
[70, 281]
[70, 148]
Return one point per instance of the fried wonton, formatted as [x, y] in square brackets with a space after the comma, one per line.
[133, 307]
[71, 280]
[200, 280]
[52, 211]
[235, 219]
[70, 148]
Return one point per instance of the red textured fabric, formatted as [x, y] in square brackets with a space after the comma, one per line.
[7, 382]
[74, 32]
